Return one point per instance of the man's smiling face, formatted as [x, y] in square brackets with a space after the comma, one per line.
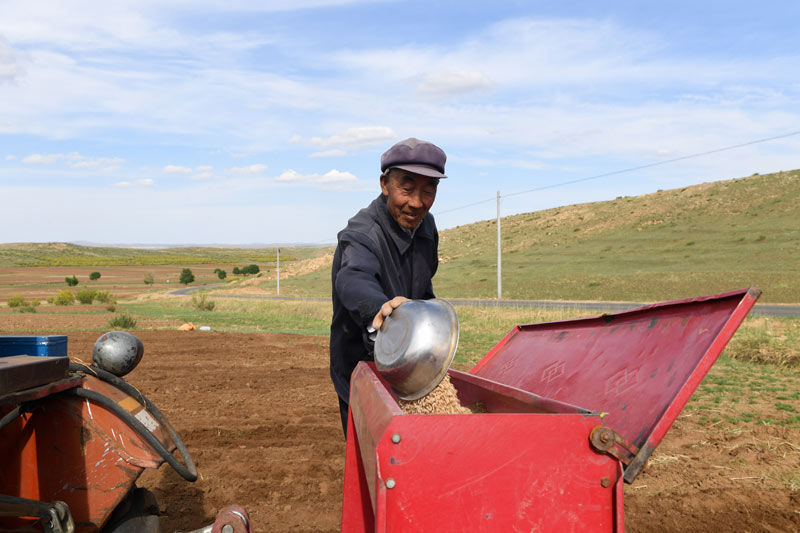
[409, 196]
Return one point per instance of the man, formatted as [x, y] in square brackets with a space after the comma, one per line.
[387, 254]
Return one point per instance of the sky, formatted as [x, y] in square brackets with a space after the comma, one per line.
[240, 122]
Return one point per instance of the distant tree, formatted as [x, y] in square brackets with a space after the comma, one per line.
[186, 276]
[250, 269]
[148, 278]
[221, 274]
[71, 281]
[94, 276]
[236, 271]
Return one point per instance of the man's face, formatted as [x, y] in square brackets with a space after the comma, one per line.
[409, 196]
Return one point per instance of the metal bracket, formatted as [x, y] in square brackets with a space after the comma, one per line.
[55, 516]
[606, 440]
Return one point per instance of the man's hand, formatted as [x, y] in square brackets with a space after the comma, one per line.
[386, 310]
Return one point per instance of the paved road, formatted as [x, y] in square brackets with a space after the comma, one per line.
[775, 310]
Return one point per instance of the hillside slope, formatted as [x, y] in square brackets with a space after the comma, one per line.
[669, 244]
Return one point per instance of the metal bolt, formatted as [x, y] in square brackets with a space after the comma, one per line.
[605, 482]
[390, 483]
[227, 528]
[396, 438]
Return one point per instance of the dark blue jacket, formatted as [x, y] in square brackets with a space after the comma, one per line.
[375, 261]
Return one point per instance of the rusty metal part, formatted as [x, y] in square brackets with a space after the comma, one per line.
[606, 440]
[55, 516]
[40, 392]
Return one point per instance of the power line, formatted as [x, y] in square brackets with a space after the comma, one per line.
[631, 169]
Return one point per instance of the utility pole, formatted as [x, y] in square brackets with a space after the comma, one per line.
[499, 258]
[278, 276]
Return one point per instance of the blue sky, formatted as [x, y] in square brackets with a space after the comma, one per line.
[263, 122]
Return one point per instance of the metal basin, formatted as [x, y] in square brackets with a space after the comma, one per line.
[416, 345]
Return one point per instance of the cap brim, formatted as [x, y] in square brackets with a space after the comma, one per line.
[421, 169]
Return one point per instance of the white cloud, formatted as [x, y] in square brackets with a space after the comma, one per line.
[332, 176]
[446, 84]
[42, 159]
[11, 158]
[202, 176]
[353, 138]
[75, 160]
[330, 153]
[177, 169]
[146, 182]
[10, 68]
[291, 175]
[249, 170]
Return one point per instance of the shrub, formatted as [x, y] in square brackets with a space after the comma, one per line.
[111, 308]
[148, 278]
[221, 274]
[86, 295]
[201, 302]
[16, 301]
[250, 269]
[236, 271]
[94, 276]
[26, 309]
[71, 281]
[102, 296]
[64, 297]
[35, 303]
[186, 276]
[122, 321]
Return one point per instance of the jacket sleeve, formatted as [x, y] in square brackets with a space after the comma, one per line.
[357, 283]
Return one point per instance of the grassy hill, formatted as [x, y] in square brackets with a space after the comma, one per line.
[670, 244]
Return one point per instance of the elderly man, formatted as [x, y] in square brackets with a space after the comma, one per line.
[387, 254]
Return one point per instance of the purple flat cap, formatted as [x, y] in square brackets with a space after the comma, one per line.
[413, 155]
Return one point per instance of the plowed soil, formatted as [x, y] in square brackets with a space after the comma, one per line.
[260, 417]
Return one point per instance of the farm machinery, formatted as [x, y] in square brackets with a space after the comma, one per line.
[74, 439]
[573, 410]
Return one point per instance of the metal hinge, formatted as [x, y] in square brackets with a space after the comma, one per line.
[606, 440]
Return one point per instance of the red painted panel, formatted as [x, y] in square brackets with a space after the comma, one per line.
[496, 472]
[500, 471]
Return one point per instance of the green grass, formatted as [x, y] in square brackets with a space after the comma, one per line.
[743, 391]
[308, 318]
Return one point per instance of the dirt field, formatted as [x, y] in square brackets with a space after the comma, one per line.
[260, 417]
[122, 281]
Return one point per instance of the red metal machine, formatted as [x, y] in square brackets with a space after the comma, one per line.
[536, 461]
[73, 441]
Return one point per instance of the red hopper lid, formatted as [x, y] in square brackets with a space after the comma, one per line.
[639, 366]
